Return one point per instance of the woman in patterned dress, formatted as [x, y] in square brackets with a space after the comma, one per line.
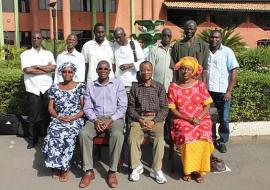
[189, 102]
[65, 107]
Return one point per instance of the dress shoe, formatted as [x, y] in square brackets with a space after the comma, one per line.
[30, 145]
[86, 179]
[112, 180]
[222, 148]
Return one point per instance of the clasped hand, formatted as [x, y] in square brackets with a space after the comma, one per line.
[102, 125]
[146, 125]
[65, 118]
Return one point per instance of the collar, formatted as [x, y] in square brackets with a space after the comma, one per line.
[33, 49]
[196, 41]
[153, 84]
[105, 42]
[161, 45]
[73, 53]
[96, 82]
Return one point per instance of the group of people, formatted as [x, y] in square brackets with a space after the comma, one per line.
[93, 92]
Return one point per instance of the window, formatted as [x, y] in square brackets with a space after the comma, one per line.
[8, 6]
[24, 6]
[43, 4]
[261, 20]
[25, 38]
[101, 5]
[9, 37]
[80, 5]
[227, 19]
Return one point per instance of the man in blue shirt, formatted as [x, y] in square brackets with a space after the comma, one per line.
[221, 78]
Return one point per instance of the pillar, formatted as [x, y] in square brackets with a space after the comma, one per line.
[16, 17]
[66, 18]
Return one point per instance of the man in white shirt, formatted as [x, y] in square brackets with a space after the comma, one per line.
[37, 65]
[73, 56]
[221, 78]
[127, 59]
[97, 50]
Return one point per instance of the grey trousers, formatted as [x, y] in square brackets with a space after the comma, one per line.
[115, 143]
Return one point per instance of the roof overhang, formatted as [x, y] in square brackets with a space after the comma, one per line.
[219, 6]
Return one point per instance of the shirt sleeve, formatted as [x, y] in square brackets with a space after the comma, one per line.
[80, 74]
[88, 105]
[132, 113]
[163, 111]
[84, 52]
[174, 55]
[51, 92]
[152, 57]
[140, 56]
[205, 54]
[232, 62]
[51, 58]
[24, 62]
[121, 103]
[171, 97]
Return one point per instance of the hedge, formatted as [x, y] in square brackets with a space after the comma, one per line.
[251, 96]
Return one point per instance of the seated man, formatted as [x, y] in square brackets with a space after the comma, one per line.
[105, 106]
[148, 109]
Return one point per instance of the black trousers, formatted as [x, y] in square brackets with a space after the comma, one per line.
[39, 117]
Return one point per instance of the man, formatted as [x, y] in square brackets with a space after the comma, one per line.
[128, 56]
[105, 107]
[190, 46]
[73, 56]
[147, 108]
[221, 78]
[160, 57]
[37, 65]
[97, 50]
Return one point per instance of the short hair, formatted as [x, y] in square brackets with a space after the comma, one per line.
[119, 29]
[216, 30]
[103, 62]
[166, 29]
[36, 32]
[99, 24]
[145, 63]
[190, 22]
[72, 34]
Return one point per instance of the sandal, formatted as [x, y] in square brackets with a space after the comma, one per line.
[55, 173]
[186, 178]
[198, 177]
[64, 176]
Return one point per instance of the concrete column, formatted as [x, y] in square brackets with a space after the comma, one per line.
[51, 21]
[132, 16]
[157, 4]
[94, 15]
[107, 17]
[2, 42]
[34, 12]
[16, 17]
[147, 9]
[66, 18]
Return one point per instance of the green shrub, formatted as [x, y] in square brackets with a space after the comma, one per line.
[255, 59]
[251, 97]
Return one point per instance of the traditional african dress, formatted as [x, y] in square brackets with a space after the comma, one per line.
[60, 141]
[195, 142]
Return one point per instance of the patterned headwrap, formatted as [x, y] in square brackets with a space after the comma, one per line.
[67, 64]
[190, 61]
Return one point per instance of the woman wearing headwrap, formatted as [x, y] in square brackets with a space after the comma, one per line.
[189, 102]
[66, 109]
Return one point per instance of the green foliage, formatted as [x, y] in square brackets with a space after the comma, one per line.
[12, 92]
[255, 59]
[12, 55]
[229, 38]
[48, 45]
[251, 97]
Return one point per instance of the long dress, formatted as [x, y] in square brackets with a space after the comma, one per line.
[195, 142]
[60, 141]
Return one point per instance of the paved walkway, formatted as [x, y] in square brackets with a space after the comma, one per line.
[248, 158]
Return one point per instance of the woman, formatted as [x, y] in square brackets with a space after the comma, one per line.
[65, 107]
[189, 102]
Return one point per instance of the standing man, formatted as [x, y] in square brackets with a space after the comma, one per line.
[190, 46]
[160, 57]
[128, 56]
[97, 50]
[73, 56]
[221, 78]
[37, 65]
[147, 108]
[105, 107]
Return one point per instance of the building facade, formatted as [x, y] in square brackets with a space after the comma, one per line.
[19, 18]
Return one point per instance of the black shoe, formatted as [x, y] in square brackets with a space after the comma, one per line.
[30, 145]
[222, 148]
[215, 144]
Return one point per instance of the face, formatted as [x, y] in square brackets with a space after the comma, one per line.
[190, 30]
[166, 37]
[67, 74]
[215, 39]
[103, 70]
[120, 37]
[99, 34]
[186, 72]
[36, 40]
[146, 71]
[71, 42]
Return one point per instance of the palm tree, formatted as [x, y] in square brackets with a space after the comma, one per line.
[229, 38]
[48, 45]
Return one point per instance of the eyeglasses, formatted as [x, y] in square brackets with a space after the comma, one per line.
[67, 72]
[103, 69]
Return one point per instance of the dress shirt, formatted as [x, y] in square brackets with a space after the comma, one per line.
[148, 99]
[41, 82]
[160, 57]
[105, 100]
[94, 53]
[74, 57]
[220, 64]
[124, 55]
